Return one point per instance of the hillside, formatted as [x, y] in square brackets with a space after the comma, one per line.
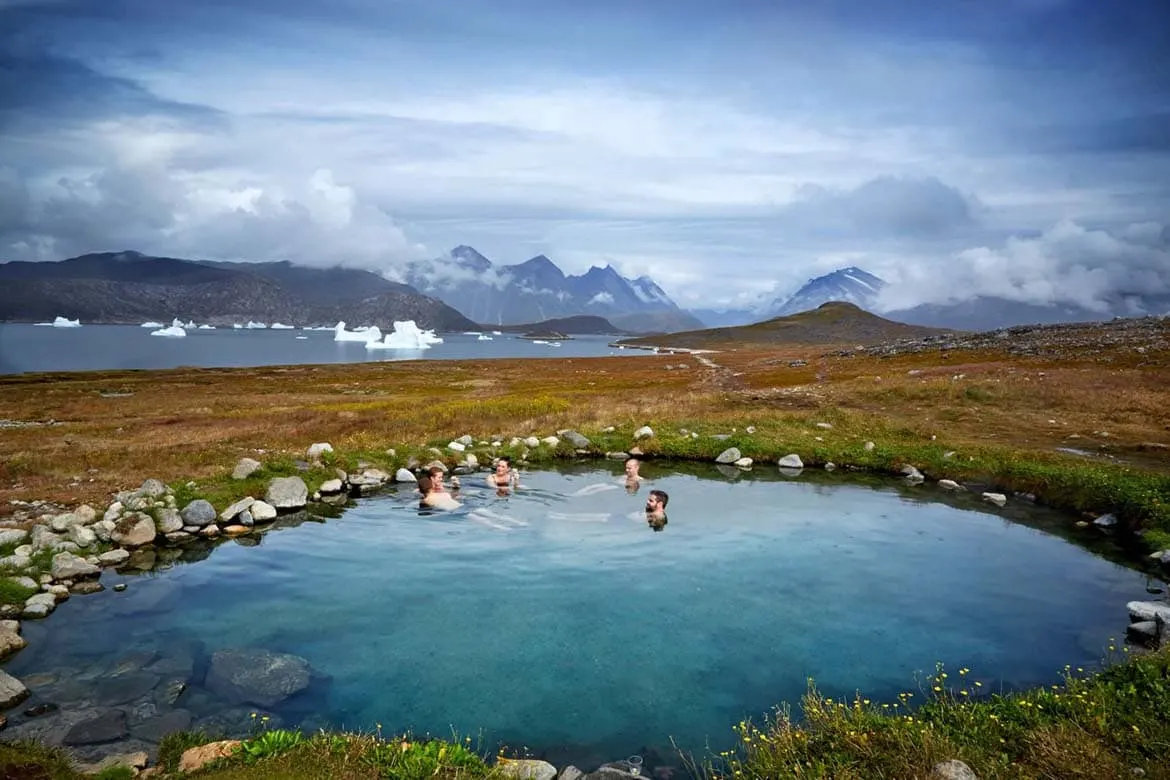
[830, 323]
[584, 324]
[128, 288]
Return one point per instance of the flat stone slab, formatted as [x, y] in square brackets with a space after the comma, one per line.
[106, 727]
[154, 729]
[257, 676]
[125, 688]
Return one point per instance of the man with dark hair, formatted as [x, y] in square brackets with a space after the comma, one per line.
[656, 509]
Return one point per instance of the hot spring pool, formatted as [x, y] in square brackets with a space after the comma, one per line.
[564, 624]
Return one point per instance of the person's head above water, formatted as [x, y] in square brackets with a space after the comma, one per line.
[632, 465]
[503, 466]
[656, 502]
[425, 483]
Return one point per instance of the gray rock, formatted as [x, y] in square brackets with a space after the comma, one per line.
[824, 426]
[243, 518]
[912, 474]
[262, 512]
[527, 769]
[246, 468]
[16, 562]
[125, 688]
[169, 521]
[67, 566]
[81, 535]
[256, 676]
[13, 536]
[113, 557]
[869, 446]
[330, 487]
[792, 461]
[830, 466]
[616, 455]
[466, 440]
[1106, 521]
[26, 582]
[472, 462]
[86, 587]
[531, 442]
[12, 691]
[103, 529]
[62, 523]
[405, 475]
[436, 464]
[999, 499]
[39, 605]
[233, 511]
[743, 463]
[951, 770]
[456, 446]
[551, 441]
[576, 439]
[43, 538]
[114, 511]
[570, 773]
[154, 729]
[1148, 610]
[106, 727]
[750, 429]
[645, 432]
[199, 513]
[153, 488]
[10, 641]
[1143, 630]
[729, 455]
[287, 493]
[318, 449]
[949, 484]
[134, 530]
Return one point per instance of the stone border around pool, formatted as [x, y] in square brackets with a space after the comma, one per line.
[139, 522]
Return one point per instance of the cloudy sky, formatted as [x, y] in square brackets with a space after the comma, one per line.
[728, 148]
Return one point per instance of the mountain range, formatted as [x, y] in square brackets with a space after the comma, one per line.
[539, 290]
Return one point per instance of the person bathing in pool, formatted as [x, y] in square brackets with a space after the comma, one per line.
[504, 476]
[633, 479]
[434, 495]
[656, 509]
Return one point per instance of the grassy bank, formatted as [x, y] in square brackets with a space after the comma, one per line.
[1112, 724]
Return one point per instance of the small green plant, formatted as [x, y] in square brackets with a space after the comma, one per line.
[271, 743]
[115, 773]
[12, 592]
[418, 760]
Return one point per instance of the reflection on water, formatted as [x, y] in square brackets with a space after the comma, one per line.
[557, 618]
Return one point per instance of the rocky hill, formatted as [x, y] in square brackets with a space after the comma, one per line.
[128, 288]
[580, 325]
[830, 323]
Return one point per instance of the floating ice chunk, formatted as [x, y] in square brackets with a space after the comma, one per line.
[174, 332]
[152, 324]
[61, 322]
[190, 324]
[176, 323]
[302, 338]
[484, 337]
[280, 326]
[237, 326]
[366, 334]
[539, 341]
[256, 325]
[472, 333]
[555, 344]
[406, 335]
[497, 333]
[206, 327]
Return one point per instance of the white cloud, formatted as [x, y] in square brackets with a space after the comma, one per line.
[601, 299]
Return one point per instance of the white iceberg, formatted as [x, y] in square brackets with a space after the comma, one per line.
[190, 324]
[406, 335]
[174, 332]
[366, 334]
[206, 327]
[237, 326]
[176, 323]
[152, 324]
[280, 326]
[61, 322]
[497, 333]
[255, 325]
[484, 337]
[299, 338]
[539, 341]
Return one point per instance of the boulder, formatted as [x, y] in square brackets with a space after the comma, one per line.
[12, 536]
[330, 487]
[830, 466]
[1106, 521]
[114, 511]
[106, 727]
[102, 529]
[912, 474]
[999, 499]
[743, 463]
[570, 773]
[10, 642]
[949, 484]
[792, 461]
[199, 513]
[113, 558]
[39, 605]
[472, 462]
[246, 468]
[152, 488]
[951, 770]
[262, 512]
[551, 441]
[12, 691]
[62, 523]
[405, 475]
[318, 449]
[729, 455]
[526, 769]
[194, 759]
[466, 440]
[134, 530]
[577, 440]
[169, 521]
[256, 676]
[67, 566]
[616, 455]
[233, 511]
[531, 442]
[287, 493]
[81, 535]
[1149, 610]
[456, 446]
[85, 513]
[645, 432]
[43, 538]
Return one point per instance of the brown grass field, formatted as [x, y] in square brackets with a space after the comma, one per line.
[114, 428]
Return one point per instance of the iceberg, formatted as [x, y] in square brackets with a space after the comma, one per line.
[497, 333]
[255, 325]
[190, 324]
[366, 334]
[152, 324]
[299, 338]
[174, 332]
[237, 326]
[176, 323]
[406, 335]
[61, 322]
[280, 326]
[206, 327]
[484, 337]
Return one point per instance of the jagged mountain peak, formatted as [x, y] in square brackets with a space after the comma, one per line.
[849, 285]
[469, 257]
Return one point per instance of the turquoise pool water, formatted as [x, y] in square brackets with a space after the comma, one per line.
[556, 619]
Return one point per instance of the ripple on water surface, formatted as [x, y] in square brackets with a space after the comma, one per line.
[557, 619]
